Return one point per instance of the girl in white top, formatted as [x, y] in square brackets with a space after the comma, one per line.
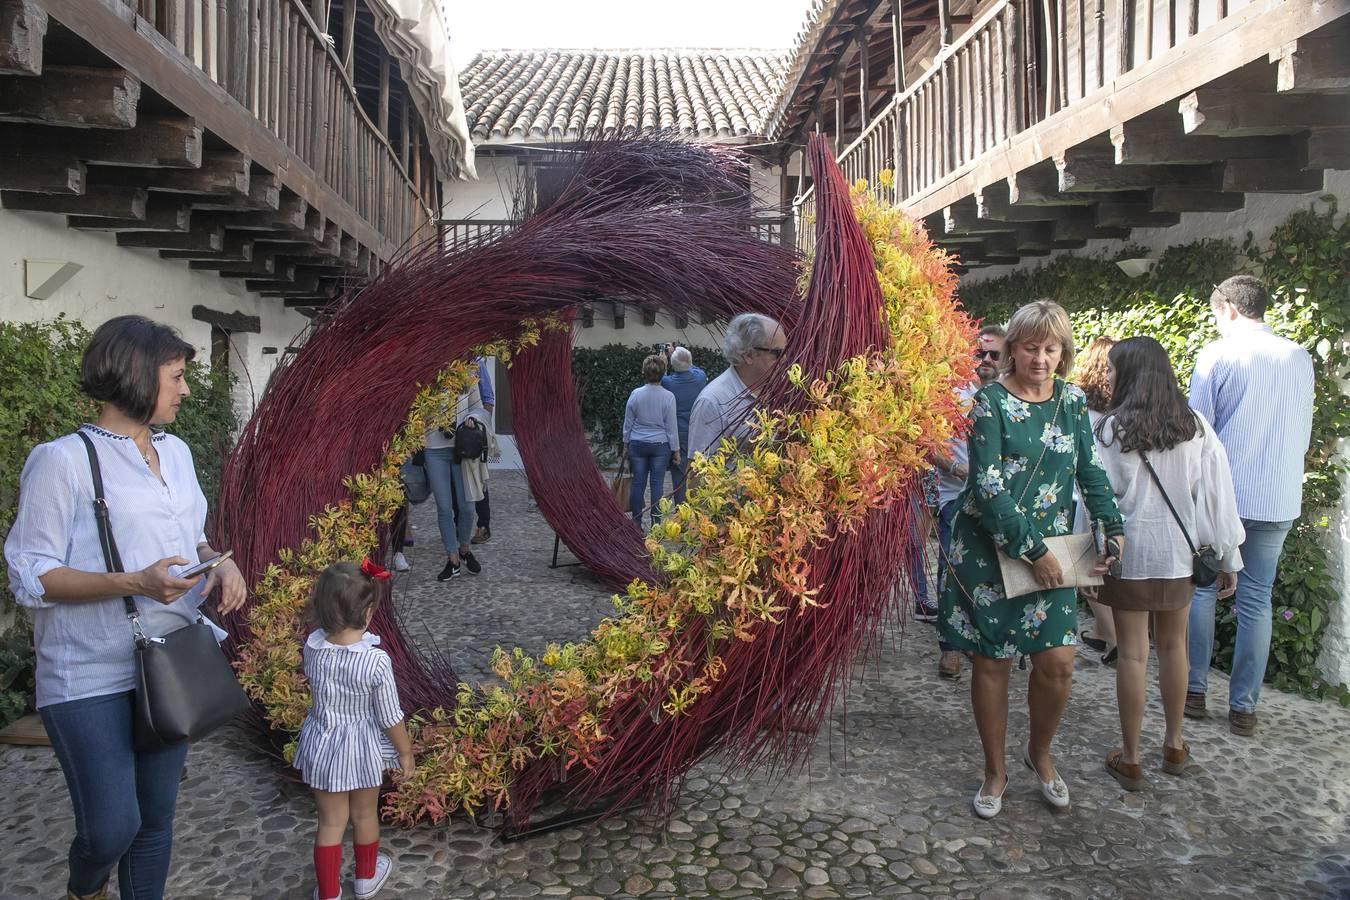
[1150, 420]
[354, 730]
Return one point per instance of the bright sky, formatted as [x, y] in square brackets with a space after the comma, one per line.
[476, 25]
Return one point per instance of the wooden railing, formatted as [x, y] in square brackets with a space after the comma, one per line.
[1021, 62]
[271, 57]
[459, 234]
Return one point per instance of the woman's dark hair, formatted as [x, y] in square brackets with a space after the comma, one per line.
[1148, 410]
[121, 363]
[342, 594]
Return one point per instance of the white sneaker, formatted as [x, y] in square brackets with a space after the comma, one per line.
[401, 563]
[1056, 792]
[369, 887]
[317, 897]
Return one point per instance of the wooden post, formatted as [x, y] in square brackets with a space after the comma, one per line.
[864, 113]
[382, 120]
[898, 47]
[318, 9]
[944, 23]
[838, 115]
[404, 110]
[349, 38]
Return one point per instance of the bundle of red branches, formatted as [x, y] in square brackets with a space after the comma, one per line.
[640, 221]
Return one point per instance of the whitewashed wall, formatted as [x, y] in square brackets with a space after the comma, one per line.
[1260, 216]
[118, 281]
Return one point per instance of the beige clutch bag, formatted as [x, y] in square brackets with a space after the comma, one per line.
[1076, 554]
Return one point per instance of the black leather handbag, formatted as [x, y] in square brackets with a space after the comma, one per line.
[185, 688]
[1204, 561]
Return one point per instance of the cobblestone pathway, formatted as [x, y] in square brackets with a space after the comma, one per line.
[882, 810]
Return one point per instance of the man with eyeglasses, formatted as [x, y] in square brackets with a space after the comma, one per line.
[953, 467]
[753, 345]
[1256, 389]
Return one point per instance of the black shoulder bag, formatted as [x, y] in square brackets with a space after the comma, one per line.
[185, 688]
[1204, 562]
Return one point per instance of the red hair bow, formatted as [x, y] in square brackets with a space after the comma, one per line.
[370, 570]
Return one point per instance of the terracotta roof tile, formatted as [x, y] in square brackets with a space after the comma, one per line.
[522, 96]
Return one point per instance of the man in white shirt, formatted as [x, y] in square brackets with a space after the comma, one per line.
[753, 345]
[952, 468]
[1256, 389]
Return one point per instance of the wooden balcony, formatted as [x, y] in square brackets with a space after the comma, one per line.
[461, 234]
[1047, 124]
[226, 134]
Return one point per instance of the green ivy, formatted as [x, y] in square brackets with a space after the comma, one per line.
[605, 376]
[1305, 265]
[40, 400]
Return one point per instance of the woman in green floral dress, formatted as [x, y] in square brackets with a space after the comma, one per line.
[1029, 441]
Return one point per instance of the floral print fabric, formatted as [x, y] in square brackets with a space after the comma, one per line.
[1008, 506]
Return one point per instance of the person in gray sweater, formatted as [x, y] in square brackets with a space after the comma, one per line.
[651, 438]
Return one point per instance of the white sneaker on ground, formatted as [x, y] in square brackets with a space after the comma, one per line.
[317, 897]
[369, 887]
[401, 563]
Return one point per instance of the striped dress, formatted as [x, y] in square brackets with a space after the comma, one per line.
[342, 745]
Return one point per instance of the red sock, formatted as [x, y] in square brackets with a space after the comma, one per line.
[365, 858]
[328, 869]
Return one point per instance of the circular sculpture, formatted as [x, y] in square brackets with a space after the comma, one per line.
[745, 607]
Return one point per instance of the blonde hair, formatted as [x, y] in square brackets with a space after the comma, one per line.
[1037, 321]
[654, 368]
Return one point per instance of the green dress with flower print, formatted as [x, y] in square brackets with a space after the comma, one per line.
[1007, 435]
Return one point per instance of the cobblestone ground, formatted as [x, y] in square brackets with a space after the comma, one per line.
[883, 809]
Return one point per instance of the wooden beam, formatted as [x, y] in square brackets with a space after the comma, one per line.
[97, 200]
[259, 266]
[1115, 214]
[1177, 199]
[47, 175]
[289, 217]
[1239, 113]
[318, 11]
[236, 246]
[349, 37]
[301, 281]
[1315, 63]
[222, 173]
[264, 194]
[944, 11]
[210, 239]
[155, 142]
[898, 44]
[618, 311]
[23, 24]
[71, 96]
[160, 215]
[860, 38]
[1161, 139]
[382, 109]
[1093, 173]
[1328, 148]
[649, 315]
[236, 321]
[1264, 176]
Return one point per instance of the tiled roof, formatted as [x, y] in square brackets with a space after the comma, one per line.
[523, 96]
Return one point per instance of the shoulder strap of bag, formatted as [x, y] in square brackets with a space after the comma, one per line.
[111, 558]
[1168, 500]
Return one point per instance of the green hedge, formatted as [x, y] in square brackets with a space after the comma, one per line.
[40, 400]
[1305, 265]
[605, 376]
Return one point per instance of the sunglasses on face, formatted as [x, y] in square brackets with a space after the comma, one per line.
[992, 355]
[776, 351]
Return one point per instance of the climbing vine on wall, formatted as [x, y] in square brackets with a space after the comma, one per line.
[1305, 264]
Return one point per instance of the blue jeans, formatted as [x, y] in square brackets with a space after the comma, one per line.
[679, 471]
[124, 798]
[454, 511]
[650, 460]
[944, 529]
[1260, 557]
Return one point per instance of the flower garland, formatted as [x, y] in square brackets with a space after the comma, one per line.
[733, 556]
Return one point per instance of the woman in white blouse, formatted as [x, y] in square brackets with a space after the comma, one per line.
[1150, 423]
[123, 797]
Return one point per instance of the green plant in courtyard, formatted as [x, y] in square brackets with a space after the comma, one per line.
[1305, 265]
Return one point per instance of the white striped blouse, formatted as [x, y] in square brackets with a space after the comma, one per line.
[86, 649]
[1256, 389]
[354, 699]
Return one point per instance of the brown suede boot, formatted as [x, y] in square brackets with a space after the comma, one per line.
[100, 894]
[1174, 760]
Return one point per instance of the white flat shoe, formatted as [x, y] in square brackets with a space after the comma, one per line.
[1056, 792]
[988, 805]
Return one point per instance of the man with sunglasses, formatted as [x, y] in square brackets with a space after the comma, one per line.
[753, 345]
[952, 468]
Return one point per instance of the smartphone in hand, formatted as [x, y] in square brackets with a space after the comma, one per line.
[203, 568]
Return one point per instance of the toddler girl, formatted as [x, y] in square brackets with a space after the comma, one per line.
[354, 730]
